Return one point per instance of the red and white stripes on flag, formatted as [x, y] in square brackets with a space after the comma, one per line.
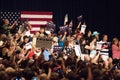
[36, 19]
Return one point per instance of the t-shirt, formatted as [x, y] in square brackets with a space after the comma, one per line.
[106, 50]
[83, 50]
[31, 54]
[115, 52]
[61, 43]
[46, 54]
[69, 50]
[88, 39]
[5, 29]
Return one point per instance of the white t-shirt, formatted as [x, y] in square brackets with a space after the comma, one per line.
[106, 50]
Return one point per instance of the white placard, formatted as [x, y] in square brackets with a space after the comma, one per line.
[83, 28]
[78, 50]
[28, 45]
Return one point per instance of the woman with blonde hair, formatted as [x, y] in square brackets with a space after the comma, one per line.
[115, 48]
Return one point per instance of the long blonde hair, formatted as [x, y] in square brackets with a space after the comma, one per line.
[114, 40]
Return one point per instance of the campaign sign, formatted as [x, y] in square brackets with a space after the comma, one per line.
[44, 42]
[83, 28]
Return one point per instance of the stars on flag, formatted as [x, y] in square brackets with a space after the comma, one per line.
[11, 16]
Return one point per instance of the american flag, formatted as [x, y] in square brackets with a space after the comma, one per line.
[36, 19]
[11, 16]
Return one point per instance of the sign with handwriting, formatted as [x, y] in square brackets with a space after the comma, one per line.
[44, 42]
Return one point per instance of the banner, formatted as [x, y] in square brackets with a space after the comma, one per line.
[44, 43]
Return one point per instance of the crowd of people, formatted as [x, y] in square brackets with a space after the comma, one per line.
[73, 55]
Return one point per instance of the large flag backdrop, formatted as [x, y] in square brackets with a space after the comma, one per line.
[36, 19]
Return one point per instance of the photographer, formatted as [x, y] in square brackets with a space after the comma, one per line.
[6, 28]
